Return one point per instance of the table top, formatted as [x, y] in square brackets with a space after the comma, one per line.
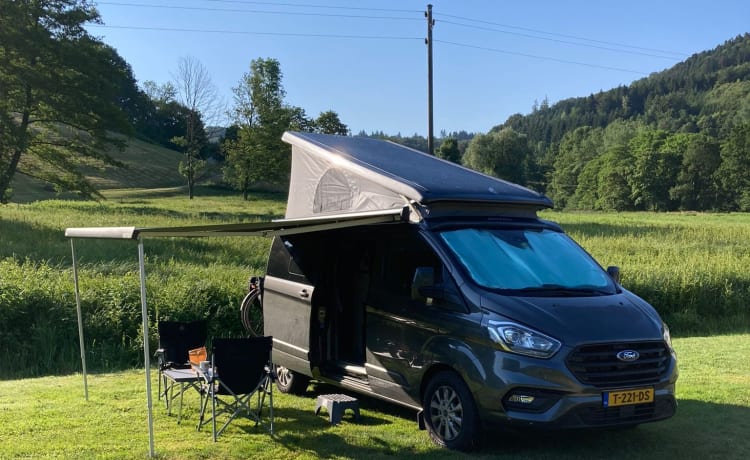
[182, 375]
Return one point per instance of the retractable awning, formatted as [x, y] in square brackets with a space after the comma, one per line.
[272, 228]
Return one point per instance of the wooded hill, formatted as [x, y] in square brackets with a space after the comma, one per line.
[678, 139]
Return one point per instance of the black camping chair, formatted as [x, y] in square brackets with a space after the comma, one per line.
[240, 369]
[176, 339]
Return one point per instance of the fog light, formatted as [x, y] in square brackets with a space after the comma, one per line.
[521, 399]
[530, 399]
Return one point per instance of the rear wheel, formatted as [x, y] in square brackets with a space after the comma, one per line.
[288, 381]
[450, 413]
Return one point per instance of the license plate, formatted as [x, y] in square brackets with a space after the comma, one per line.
[627, 397]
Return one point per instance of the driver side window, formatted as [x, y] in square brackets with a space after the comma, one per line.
[401, 253]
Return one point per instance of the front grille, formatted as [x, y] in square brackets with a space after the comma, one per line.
[598, 364]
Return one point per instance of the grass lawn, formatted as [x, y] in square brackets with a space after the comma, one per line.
[49, 418]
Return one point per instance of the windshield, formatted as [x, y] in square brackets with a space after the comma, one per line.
[530, 261]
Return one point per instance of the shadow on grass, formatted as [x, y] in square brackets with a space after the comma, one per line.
[700, 430]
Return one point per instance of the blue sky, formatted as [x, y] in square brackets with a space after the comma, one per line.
[367, 59]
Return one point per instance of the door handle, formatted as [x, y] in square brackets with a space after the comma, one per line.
[304, 294]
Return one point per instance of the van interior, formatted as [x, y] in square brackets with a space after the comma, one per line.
[353, 270]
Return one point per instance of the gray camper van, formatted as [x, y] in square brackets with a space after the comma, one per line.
[438, 288]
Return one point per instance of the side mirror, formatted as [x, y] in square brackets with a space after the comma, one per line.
[614, 273]
[424, 277]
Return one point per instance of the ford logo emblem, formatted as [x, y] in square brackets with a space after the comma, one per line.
[628, 355]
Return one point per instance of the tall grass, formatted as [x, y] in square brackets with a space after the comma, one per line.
[186, 279]
[692, 268]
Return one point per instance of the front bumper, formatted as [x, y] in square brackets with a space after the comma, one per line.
[569, 402]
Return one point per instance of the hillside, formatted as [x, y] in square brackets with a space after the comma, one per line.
[676, 140]
[147, 166]
[708, 93]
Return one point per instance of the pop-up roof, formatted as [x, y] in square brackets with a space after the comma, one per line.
[341, 174]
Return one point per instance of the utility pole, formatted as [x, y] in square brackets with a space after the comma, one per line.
[428, 42]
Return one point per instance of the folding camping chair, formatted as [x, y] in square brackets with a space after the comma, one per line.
[240, 369]
[176, 339]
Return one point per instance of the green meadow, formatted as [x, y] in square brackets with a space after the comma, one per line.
[691, 267]
[48, 417]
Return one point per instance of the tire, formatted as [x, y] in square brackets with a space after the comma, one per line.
[450, 413]
[290, 382]
[251, 313]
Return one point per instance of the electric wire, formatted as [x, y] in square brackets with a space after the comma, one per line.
[303, 5]
[235, 10]
[246, 32]
[438, 15]
[545, 58]
[381, 37]
[557, 40]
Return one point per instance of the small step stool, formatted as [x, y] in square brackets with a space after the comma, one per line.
[336, 405]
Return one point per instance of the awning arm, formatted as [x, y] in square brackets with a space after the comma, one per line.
[80, 321]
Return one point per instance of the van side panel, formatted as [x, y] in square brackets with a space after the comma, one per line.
[287, 295]
[286, 313]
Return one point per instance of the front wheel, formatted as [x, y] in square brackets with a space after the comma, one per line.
[450, 413]
[288, 381]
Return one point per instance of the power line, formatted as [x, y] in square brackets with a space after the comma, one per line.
[557, 40]
[231, 10]
[352, 8]
[676, 53]
[363, 37]
[545, 58]
[245, 32]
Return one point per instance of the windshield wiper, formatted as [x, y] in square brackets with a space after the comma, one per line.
[558, 289]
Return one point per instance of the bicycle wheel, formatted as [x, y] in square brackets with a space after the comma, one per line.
[251, 313]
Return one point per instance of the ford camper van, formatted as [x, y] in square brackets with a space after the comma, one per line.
[438, 288]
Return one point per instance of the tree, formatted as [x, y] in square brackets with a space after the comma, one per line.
[656, 160]
[696, 186]
[504, 154]
[329, 123]
[449, 150]
[198, 95]
[58, 97]
[735, 164]
[613, 193]
[577, 148]
[259, 154]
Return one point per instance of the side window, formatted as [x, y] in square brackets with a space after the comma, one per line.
[288, 260]
[400, 253]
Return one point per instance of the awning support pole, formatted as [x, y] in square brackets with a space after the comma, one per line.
[80, 320]
[146, 351]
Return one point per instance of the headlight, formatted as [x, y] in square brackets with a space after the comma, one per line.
[666, 336]
[522, 340]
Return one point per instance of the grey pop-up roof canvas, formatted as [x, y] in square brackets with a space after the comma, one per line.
[337, 174]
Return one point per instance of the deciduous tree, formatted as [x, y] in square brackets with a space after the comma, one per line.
[59, 100]
[503, 154]
[259, 154]
[449, 150]
[197, 93]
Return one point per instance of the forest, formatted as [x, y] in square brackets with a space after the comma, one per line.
[675, 140]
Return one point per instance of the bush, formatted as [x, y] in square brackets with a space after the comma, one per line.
[38, 313]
